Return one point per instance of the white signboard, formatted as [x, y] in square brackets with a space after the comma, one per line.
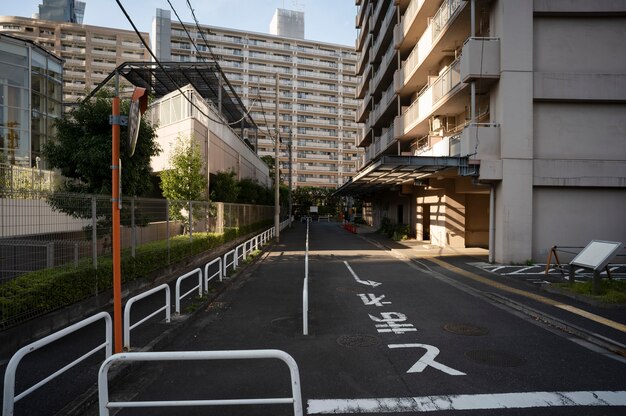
[313, 209]
[597, 254]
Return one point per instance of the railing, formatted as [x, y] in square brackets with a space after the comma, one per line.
[450, 78]
[127, 326]
[15, 178]
[219, 272]
[305, 288]
[232, 263]
[103, 388]
[443, 15]
[199, 286]
[9, 397]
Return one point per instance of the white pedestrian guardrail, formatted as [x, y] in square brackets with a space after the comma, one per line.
[168, 306]
[103, 386]
[305, 289]
[232, 263]
[219, 273]
[9, 397]
[199, 286]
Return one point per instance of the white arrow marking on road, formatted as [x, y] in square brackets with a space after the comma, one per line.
[468, 402]
[363, 282]
[427, 360]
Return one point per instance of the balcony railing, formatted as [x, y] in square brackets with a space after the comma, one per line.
[443, 15]
[450, 78]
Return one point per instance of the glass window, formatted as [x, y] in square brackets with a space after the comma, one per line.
[13, 75]
[14, 117]
[14, 54]
[176, 108]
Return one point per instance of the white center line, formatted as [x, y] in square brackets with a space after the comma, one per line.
[468, 402]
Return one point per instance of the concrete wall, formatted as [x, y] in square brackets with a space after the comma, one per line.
[575, 216]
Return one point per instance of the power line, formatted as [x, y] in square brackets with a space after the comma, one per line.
[156, 60]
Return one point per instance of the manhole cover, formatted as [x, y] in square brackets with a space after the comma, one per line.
[349, 289]
[495, 358]
[465, 329]
[358, 340]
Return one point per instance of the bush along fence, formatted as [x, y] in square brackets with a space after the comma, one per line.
[55, 250]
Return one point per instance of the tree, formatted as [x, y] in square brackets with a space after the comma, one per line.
[184, 180]
[307, 196]
[252, 192]
[269, 161]
[224, 187]
[82, 152]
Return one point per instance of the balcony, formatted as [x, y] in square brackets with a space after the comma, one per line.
[480, 59]
[440, 39]
[382, 34]
[385, 102]
[363, 109]
[442, 90]
[363, 57]
[481, 140]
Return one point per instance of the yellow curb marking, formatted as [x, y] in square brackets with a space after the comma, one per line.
[538, 298]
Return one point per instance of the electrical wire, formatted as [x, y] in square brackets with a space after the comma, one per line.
[167, 74]
[199, 54]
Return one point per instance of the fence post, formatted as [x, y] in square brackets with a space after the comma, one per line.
[133, 237]
[167, 227]
[94, 232]
[75, 254]
[50, 255]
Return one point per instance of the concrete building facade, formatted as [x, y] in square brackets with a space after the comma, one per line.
[316, 94]
[498, 123]
[90, 53]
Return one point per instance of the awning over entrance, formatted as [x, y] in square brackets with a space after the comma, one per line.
[396, 170]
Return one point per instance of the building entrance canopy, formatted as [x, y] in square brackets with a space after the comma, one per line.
[391, 171]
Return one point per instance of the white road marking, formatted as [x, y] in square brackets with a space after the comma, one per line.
[427, 360]
[468, 402]
[363, 282]
[371, 299]
[390, 323]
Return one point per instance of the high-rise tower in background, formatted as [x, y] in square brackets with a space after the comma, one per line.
[69, 11]
[316, 95]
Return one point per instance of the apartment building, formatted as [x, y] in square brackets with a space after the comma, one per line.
[90, 53]
[316, 99]
[498, 123]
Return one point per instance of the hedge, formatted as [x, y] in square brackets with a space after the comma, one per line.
[39, 292]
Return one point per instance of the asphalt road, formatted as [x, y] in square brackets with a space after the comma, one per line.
[386, 336]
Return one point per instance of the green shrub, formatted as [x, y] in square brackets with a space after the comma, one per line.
[36, 293]
[611, 291]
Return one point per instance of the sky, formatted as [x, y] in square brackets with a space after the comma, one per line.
[330, 21]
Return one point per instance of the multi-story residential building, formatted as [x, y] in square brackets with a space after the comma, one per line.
[494, 123]
[316, 97]
[90, 53]
[30, 102]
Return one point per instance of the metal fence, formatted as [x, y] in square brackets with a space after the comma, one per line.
[45, 236]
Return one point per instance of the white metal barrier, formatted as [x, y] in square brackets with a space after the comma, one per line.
[240, 253]
[232, 263]
[168, 306]
[9, 397]
[305, 289]
[103, 388]
[218, 273]
[199, 286]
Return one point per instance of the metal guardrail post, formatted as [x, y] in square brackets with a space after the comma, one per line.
[131, 301]
[9, 397]
[180, 280]
[295, 399]
[219, 272]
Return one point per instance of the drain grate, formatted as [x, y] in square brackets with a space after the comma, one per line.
[495, 358]
[358, 340]
[465, 329]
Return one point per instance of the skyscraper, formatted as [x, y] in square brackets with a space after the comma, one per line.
[69, 11]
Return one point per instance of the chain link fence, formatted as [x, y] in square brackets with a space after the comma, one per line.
[56, 248]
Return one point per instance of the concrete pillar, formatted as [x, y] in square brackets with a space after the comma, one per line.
[513, 24]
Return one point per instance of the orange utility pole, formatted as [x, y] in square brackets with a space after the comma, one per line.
[115, 213]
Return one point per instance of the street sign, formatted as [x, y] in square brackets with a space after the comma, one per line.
[138, 104]
[597, 254]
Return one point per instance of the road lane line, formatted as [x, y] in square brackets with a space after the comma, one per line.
[572, 309]
[522, 400]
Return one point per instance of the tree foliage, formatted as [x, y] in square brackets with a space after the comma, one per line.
[307, 196]
[82, 150]
[224, 187]
[184, 180]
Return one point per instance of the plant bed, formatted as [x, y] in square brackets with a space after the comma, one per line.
[612, 292]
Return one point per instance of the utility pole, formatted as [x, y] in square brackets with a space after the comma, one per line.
[290, 175]
[115, 211]
[276, 169]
